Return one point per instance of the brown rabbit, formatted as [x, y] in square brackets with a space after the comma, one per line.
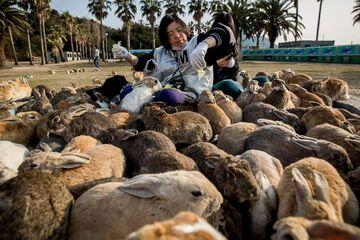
[20, 128]
[40, 104]
[230, 108]
[313, 189]
[209, 109]
[182, 127]
[324, 114]
[335, 88]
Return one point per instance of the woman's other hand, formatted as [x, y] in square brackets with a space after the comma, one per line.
[226, 62]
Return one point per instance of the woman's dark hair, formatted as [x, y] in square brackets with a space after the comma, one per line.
[165, 22]
[226, 19]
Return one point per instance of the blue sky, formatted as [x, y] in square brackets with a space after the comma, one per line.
[336, 19]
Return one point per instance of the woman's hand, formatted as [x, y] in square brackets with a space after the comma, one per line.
[197, 57]
[226, 62]
[120, 52]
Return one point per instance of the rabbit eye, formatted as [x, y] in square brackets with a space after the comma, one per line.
[196, 193]
[34, 165]
[56, 119]
[287, 237]
[337, 156]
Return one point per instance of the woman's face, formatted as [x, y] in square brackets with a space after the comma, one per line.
[176, 35]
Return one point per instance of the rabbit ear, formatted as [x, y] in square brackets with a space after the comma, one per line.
[263, 180]
[328, 230]
[302, 190]
[126, 134]
[353, 141]
[36, 93]
[73, 160]
[279, 114]
[77, 111]
[142, 186]
[306, 142]
[322, 187]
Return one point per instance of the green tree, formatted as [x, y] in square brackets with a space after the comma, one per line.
[25, 5]
[69, 22]
[42, 9]
[216, 6]
[10, 17]
[278, 18]
[126, 10]
[356, 10]
[150, 9]
[198, 8]
[57, 36]
[257, 25]
[241, 11]
[99, 8]
[174, 7]
[318, 24]
[296, 5]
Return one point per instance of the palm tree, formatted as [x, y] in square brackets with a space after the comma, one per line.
[77, 38]
[69, 22]
[198, 8]
[25, 5]
[318, 25]
[41, 8]
[126, 10]
[99, 9]
[241, 10]
[278, 19]
[296, 5]
[13, 46]
[151, 9]
[216, 6]
[257, 25]
[10, 17]
[47, 13]
[356, 11]
[174, 7]
[56, 37]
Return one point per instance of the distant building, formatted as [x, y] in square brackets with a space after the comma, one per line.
[306, 44]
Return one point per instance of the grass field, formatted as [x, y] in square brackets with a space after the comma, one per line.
[348, 72]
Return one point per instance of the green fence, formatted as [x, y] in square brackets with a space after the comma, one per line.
[334, 54]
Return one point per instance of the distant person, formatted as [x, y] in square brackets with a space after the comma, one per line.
[97, 57]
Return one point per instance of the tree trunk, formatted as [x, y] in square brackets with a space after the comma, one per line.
[257, 41]
[45, 42]
[128, 29]
[77, 49]
[81, 52]
[29, 46]
[3, 61]
[72, 44]
[296, 21]
[86, 51]
[240, 39]
[153, 35]
[102, 41]
[62, 58]
[318, 25]
[41, 43]
[13, 46]
[90, 51]
[199, 25]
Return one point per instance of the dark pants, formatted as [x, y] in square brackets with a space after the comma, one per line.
[97, 62]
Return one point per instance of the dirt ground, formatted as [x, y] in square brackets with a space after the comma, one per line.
[348, 72]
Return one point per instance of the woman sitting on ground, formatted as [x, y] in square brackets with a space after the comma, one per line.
[182, 64]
